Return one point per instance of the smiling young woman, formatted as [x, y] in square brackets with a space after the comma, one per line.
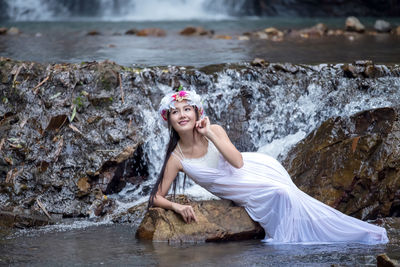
[255, 181]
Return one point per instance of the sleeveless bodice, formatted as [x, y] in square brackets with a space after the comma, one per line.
[209, 160]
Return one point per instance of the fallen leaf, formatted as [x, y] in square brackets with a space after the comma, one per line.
[354, 144]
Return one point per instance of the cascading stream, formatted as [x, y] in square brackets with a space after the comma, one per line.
[265, 110]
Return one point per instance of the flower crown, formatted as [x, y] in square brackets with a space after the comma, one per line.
[169, 99]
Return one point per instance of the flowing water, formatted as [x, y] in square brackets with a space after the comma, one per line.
[115, 245]
[282, 112]
[59, 41]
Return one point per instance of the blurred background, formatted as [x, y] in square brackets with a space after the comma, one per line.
[150, 32]
[33, 10]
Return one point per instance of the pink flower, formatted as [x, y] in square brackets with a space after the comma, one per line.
[182, 93]
[163, 113]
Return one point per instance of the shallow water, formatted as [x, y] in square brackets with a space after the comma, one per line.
[69, 42]
[117, 245]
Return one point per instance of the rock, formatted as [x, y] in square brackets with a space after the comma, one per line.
[318, 30]
[93, 33]
[383, 260]
[382, 26]
[362, 69]
[195, 31]
[218, 220]
[151, 32]
[259, 62]
[353, 24]
[397, 31]
[352, 164]
[3, 30]
[223, 37]
[83, 185]
[131, 31]
[271, 31]
[243, 38]
[13, 31]
[21, 220]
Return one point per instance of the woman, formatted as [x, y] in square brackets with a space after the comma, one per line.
[255, 181]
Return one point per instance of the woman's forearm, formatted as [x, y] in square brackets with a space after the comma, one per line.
[226, 148]
[162, 202]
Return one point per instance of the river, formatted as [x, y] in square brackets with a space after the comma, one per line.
[67, 41]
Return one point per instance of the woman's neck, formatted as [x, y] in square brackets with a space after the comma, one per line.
[189, 139]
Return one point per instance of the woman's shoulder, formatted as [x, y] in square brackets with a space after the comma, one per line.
[174, 161]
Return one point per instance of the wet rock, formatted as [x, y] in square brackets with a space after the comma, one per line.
[352, 163]
[21, 220]
[223, 37]
[103, 207]
[195, 31]
[353, 24]
[50, 146]
[131, 31]
[83, 186]
[286, 67]
[151, 32]
[218, 220]
[271, 31]
[362, 69]
[397, 30]
[383, 260]
[133, 215]
[382, 26]
[318, 30]
[13, 31]
[259, 62]
[93, 33]
[3, 30]
[243, 38]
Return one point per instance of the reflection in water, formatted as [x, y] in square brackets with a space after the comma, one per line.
[116, 245]
[69, 42]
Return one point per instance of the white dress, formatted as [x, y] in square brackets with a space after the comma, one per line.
[264, 188]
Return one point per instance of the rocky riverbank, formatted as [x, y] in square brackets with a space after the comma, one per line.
[74, 134]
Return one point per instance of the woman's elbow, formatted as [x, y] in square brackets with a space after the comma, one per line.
[239, 164]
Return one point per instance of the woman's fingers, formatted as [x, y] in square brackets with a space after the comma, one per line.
[188, 214]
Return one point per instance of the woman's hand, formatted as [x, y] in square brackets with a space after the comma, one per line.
[186, 211]
[203, 126]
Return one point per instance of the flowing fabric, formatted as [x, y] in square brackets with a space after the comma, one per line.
[264, 188]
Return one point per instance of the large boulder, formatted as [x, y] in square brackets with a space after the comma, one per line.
[218, 220]
[68, 134]
[352, 164]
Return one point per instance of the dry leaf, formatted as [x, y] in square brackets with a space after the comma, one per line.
[354, 144]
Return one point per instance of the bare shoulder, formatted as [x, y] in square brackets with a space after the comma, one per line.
[174, 163]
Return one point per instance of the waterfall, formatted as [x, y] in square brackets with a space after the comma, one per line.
[282, 109]
[118, 10]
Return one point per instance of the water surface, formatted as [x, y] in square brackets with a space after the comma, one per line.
[56, 42]
[116, 245]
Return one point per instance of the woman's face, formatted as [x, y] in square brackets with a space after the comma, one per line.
[183, 116]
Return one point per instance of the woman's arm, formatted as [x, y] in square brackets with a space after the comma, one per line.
[221, 140]
[171, 170]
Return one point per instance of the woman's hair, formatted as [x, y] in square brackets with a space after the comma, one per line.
[173, 141]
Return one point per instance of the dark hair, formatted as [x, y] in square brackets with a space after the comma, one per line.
[173, 141]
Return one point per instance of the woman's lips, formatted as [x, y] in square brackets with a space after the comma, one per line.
[183, 122]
